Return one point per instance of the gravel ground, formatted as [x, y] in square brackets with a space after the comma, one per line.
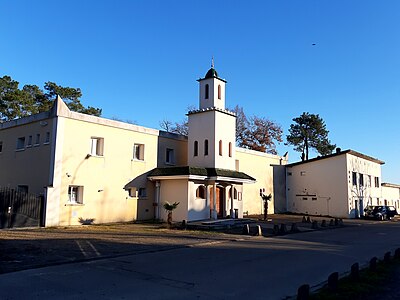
[36, 247]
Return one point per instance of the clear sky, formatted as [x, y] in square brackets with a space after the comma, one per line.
[139, 60]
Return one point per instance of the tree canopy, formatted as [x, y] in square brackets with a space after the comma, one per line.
[17, 103]
[309, 132]
[256, 133]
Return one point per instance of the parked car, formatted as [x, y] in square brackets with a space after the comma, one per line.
[380, 212]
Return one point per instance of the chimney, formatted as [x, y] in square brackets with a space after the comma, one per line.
[338, 150]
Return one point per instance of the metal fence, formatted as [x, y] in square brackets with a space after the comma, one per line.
[20, 209]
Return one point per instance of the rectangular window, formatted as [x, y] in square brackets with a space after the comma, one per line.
[96, 146]
[142, 193]
[169, 156]
[376, 181]
[21, 143]
[314, 199]
[361, 179]
[289, 173]
[354, 178]
[1, 146]
[369, 181]
[47, 138]
[303, 173]
[37, 140]
[30, 139]
[138, 151]
[75, 194]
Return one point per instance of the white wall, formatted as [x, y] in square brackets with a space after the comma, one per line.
[360, 196]
[213, 126]
[212, 100]
[318, 187]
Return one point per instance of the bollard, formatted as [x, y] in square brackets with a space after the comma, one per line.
[259, 231]
[397, 253]
[246, 229]
[332, 222]
[323, 223]
[314, 225]
[294, 228]
[304, 220]
[386, 257]
[333, 281]
[184, 224]
[303, 292]
[276, 229]
[283, 229]
[355, 271]
[372, 264]
[336, 221]
[308, 220]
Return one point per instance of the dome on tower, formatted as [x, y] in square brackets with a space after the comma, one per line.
[212, 73]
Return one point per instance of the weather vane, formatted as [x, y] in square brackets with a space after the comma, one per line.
[212, 61]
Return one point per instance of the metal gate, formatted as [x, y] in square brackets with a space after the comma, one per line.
[19, 209]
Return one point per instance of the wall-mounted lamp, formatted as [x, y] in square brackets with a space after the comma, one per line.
[99, 191]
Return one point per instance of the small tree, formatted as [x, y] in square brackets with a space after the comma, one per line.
[169, 208]
[266, 198]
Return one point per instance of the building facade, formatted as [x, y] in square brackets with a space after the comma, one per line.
[340, 185]
[91, 168]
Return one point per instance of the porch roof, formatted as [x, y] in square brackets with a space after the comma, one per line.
[207, 173]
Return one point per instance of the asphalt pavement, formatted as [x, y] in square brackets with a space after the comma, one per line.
[230, 267]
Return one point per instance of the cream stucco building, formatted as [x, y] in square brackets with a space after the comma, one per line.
[340, 185]
[94, 168]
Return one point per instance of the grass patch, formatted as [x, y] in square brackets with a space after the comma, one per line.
[370, 285]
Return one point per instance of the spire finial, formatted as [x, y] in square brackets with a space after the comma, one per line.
[212, 62]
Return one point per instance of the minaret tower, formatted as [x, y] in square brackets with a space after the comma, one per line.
[212, 128]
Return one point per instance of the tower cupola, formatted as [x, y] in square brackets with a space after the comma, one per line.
[212, 90]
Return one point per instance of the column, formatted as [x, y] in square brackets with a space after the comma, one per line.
[232, 210]
[214, 211]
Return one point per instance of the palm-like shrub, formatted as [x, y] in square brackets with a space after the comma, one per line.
[169, 208]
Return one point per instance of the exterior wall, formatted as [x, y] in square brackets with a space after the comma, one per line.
[213, 126]
[318, 187]
[175, 191]
[198, 208]
[212, 100]
[261, 167]
[361, 195]
[30, 165]
[179, 146]
[237, 202]
[103, 177]
[391, 195]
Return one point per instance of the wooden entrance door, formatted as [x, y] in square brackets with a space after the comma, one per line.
[219, 201]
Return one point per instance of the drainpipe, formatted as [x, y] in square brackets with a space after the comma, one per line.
[157, 203]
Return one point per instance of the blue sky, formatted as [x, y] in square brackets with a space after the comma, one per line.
[139, 60]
